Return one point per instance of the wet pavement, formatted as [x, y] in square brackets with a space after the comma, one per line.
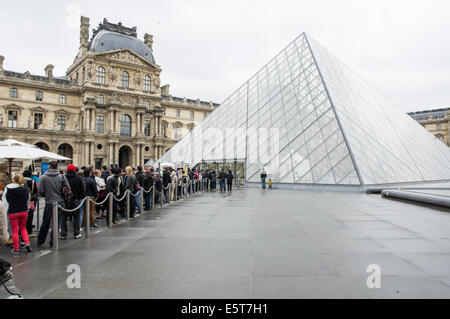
[254, 244]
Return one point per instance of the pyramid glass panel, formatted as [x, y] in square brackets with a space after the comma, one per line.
[307, 118]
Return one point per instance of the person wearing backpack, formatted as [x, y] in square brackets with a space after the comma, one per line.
[51, 187]
[77, 188]
[90, 187]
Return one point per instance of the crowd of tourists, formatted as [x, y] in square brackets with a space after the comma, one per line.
[71, 186]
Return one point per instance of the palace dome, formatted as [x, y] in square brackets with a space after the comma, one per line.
[106, 40]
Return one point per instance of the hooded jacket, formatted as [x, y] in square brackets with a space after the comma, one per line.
[16, 198]
[50, 186]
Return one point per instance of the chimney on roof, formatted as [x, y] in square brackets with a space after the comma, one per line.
[84, 35]
[2, 58]
[49, 71]
[165, 90]
[148, 40]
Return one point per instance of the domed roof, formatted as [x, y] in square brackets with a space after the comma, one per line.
[106, 40]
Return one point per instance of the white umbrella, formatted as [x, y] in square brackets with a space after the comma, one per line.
[12, 149]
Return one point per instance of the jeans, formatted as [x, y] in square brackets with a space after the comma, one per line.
[138, 202]
[46, 219]
[166, 195]
[76, 222]
[222, 184]
[148, 200]
[263, 182]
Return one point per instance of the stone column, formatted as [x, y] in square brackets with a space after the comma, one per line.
[117, 122]
[111, 154]
[86, 153]
[93, 120]
[137, 124]
[111, 121]
[138, 155]
[92, 157]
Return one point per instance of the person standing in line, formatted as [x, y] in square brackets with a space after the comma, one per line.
[148, 183]
[230, 181]
[90, 187]
[212, 177]
[131, 185]
[51, 188]
[166, 181]
[101, 192]
[263, 178]
[222, 176]
[33, 189]
[173, 185]
[78, 193]
[112, 186]
[16, 199]
[140, 179]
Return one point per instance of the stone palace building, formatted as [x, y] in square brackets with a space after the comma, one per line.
[436, 121]
[108, 109]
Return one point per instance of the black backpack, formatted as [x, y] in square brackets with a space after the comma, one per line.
[66, 192]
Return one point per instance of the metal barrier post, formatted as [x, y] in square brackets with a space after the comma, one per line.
[153, 198]
[110, 209]
[55, 226]
[169, 188]
[128, 205]
[161, 197]
[208, 184]
[87, 210]
[37, 211]
[141, 196]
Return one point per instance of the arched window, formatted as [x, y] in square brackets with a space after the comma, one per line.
[125, 125]
[100, 99]
[101, 75]
[125, 79]
[147, 83]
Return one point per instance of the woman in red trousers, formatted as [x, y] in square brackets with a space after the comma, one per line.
[16, 198]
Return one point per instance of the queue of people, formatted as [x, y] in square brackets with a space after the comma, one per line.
[69, 187]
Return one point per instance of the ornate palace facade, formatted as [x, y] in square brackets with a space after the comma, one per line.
[108, 109]
[436, 121]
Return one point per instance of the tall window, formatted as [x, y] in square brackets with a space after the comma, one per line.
[62, 122]
[125, 125]
[38, 95]
[147, 127]
[13, 93]
[100, 124]
[125, 79]
[192, 115]
[100, 99]
[178, 113]
[177, 133]
[147, 83]
[37, 121]
[164, 111]
[163, 130]
[62, 99]
[12, 118]
[101, 75]
[147, 105]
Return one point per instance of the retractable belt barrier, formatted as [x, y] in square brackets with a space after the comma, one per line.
[187, 190]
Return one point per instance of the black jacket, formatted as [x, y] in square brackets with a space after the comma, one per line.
[158, 184]
[76, 185]
[222, 175]
[111, 185]
[166, 178]
[32, 188]
[148, 182]
[90, 187]
[17, 198]
[140, 178]
[229, 178]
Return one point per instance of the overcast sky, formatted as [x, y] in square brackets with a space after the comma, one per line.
[208, 48]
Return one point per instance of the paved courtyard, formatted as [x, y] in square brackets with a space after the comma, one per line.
[255, 244]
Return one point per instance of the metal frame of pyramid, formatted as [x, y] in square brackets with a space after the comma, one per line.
[309, 119]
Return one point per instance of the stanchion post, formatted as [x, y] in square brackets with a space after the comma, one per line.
[110, 210]
[55, 226]
[128, 205]
[141, 196]
[169, 188]
[87, 209]
[153, 198]
[161, 197]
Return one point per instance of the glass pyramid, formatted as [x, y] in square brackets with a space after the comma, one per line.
[309, 119]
